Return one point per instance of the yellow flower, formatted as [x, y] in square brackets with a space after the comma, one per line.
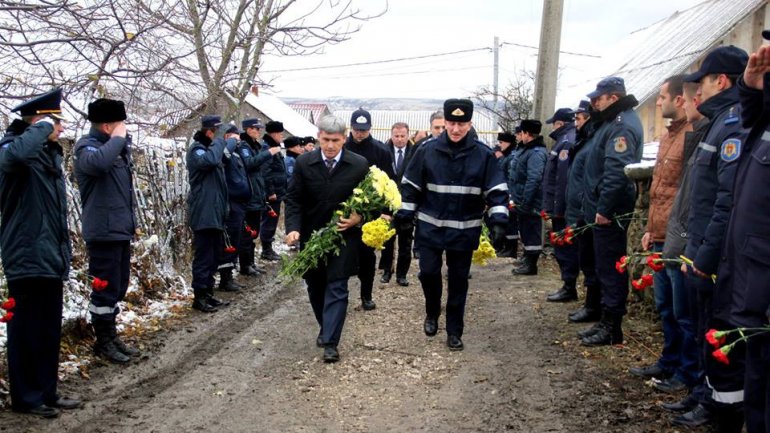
[376, 233]
[484, 252]
[358, 191]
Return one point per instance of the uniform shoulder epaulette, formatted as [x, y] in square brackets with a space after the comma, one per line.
[732, 117]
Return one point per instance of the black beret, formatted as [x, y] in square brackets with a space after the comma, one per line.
[458, 110]
[274, 126]
[532, 126]
[506, 136]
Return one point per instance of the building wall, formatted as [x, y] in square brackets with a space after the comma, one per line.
[746, 35]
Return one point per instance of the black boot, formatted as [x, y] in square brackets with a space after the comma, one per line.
[609, 332]
[591, 330]
[567, 293]
[214, 302]
[119, 344]
[507, 249]
[528, 265]
[104, 345]
[268, 253]
[585, 314]
[200, 302]
[226, 283]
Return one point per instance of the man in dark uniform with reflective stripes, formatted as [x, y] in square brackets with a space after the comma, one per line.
[448, 185]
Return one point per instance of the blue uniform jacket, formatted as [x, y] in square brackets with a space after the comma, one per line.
[34, 235]
[207, 205]
[254, 158]
[713, 174]
[556, 170]
[274, 172]
[236, 176]
[526, 176]
[103, 169]
[744, 273]
[615, 144]
[448, 186]
[575, 190]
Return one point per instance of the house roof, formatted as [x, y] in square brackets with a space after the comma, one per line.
[312, 112]
[275, 109]
[668, 47]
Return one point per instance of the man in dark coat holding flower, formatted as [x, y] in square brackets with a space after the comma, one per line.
[322, 179]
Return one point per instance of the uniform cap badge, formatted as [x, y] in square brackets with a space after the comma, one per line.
[458, 112]
[361, 119]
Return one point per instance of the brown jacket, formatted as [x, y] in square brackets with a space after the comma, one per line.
[665, 177]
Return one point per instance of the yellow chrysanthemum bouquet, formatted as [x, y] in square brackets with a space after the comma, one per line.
[485, 251]
[373, 194]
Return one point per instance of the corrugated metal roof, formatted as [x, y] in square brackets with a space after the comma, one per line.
[275, 109]
[383, 120]
[668, 47]
[311, 112]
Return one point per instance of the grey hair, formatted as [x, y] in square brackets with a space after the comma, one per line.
[437, 115]
[331, 125]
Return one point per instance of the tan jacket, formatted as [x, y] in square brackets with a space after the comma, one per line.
[665, 177]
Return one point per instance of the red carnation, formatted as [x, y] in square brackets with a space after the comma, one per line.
[248, 228]
[271, 213]
[544, 215]
[229, 249]
[254, 233]
[655, 262]
[552, 237]
[568, 239]
[716, 338]
[98, 284]
[511, 205]
[8, 304]
[647, 280]
[7, 317]
[721, 354]
[637, 284]
[569, 231]
[620, 268]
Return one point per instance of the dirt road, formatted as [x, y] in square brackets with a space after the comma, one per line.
[254, 367]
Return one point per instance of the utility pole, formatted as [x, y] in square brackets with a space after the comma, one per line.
[548, 59]
[496, 71]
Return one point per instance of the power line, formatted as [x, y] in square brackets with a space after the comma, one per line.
[377, 62]
[562, 52]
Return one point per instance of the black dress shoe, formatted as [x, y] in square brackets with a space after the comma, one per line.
[649, 372]
[203, 306]
[42, 411]
[454, 343]
[331, 354]
[214, 302]
[248, 271]
[591, 330]
[66, 403]
[585, 315]
[684, 405]
[694, 418]
[430, 326]
[402, 281]
[565, 294]
[670, 385]
[368, 304]
[386, 277]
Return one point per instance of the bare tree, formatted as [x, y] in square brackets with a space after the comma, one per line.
[514, 103]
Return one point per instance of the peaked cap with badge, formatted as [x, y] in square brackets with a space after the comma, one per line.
[47, 104]
[361, 120]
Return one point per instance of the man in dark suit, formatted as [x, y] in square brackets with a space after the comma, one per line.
[322, 179]
[401, 151]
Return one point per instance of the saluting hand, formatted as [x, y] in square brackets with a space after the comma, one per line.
[119, 130]
[758, 66]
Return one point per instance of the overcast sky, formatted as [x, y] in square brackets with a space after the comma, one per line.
[420, 27]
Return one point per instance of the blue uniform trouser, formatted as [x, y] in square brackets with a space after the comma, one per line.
[458, 266]
[757, 385]
[34, 336]
[531, 231]
[269, 224]
[724, 383]
[567, 256]
[109, 261]
[679, 356]
[587, 257]
[329, 300]
[610, 244]
[404, 253]
[246, 248]
[512, 228]
[207, 247]
[234, 227]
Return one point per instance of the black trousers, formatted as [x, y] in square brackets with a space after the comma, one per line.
[458, 267]
[329, 300]
[404, 253]
[367, 262]
[587, 260]
[269, 224]
[34, 336]
[567, 256]
[234, 227]
[531, 231]
[246, 248]
[109, 261]
[610, 244]
[207, 248]
[757, 385]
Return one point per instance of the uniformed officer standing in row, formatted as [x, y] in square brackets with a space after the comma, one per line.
[526, 176]
[207, 207]
[360, 141]
[104, 171]
[36, 252]
[276, 184]
[447, 186]
[554, 200]
[608, 193]
[509, 245]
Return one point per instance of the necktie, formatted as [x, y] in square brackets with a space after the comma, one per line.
[399, 159]
[330, 164]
